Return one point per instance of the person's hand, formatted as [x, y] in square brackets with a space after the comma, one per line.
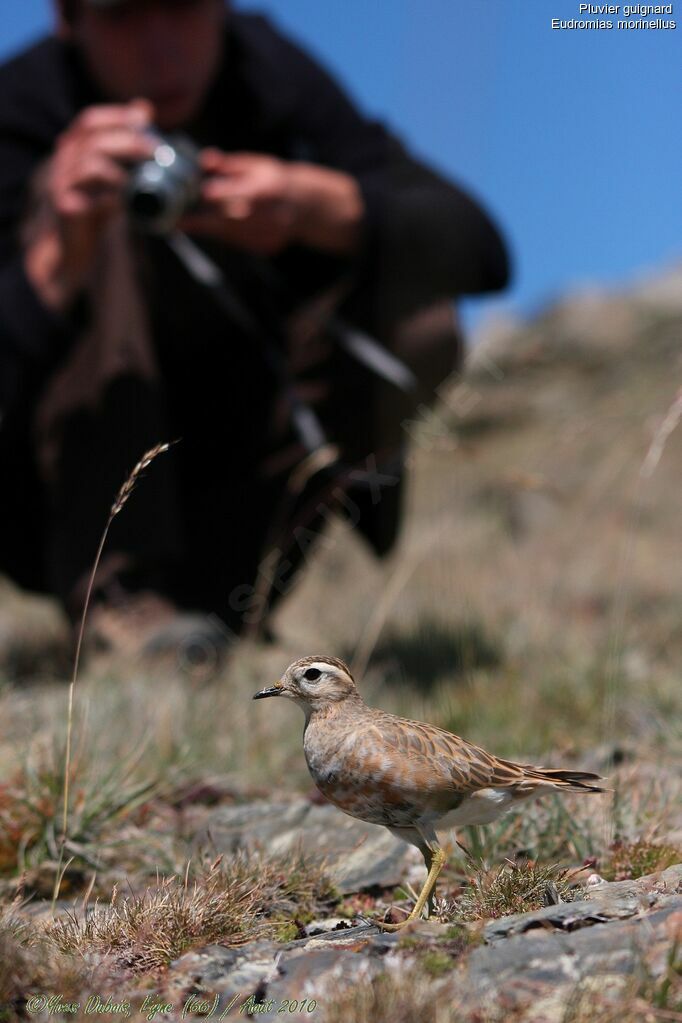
[78, 191]
[246, 201]
[262, 204]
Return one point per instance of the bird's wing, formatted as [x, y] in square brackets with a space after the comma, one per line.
[452, 761]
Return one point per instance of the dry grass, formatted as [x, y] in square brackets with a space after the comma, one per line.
[119, 947]
[532, 605]
[230, 902]
[31, 809]
[29, 962]
[627, 861]
[122, 497]
[142, 933]
[510, 888]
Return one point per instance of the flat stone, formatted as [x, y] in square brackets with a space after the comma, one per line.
[311, 974]
[566, 916]
[250, 825]
[663, 882]
[232, 974]
[357, 855]
[332, 923]
[540, 973]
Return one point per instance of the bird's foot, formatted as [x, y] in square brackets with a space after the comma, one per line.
[390, 927]
[383, 926]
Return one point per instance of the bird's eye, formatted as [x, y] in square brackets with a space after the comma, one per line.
[312, 674]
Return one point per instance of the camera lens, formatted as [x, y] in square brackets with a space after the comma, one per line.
[161, 189]
[146, 206]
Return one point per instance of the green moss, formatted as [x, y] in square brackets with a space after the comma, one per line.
[287, 932]
[436, 962]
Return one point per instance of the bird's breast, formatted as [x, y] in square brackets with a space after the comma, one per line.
[359, 780]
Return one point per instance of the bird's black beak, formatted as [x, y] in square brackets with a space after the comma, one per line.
[275, 690]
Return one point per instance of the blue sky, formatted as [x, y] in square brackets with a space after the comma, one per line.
[572, 138]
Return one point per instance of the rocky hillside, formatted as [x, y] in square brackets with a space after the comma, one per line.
[533, 605]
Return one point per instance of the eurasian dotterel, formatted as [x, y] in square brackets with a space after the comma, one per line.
[412, 777]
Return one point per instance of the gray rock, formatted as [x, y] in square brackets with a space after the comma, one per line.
[231, 974]
[532, 967]
[35, 638]
[567, 916]
[608, 900]
[542, 973]
[358, 855]
[310, 973]
[664, 882]
[332, 923]
[250, 825]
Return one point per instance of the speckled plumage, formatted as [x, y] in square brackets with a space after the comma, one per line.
[408, 776]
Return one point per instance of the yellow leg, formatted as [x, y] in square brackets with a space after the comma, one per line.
[437, 865]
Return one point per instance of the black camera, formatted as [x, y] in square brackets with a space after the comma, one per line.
[164, 187]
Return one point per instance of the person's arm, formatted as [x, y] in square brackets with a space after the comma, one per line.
[29, 330]
[429, 235]
[80, 188]
[264, 204]
[52, 212]
[331, 210]
[30, 333]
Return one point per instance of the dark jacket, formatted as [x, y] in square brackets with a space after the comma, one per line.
[425, 239]
[424, 235]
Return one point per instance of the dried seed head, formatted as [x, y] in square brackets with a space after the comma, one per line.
[129, 485]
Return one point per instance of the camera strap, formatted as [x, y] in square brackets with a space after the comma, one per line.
[357, 343]
[204, 270]
[373, 355]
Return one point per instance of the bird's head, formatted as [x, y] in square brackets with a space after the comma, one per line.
[314, 683]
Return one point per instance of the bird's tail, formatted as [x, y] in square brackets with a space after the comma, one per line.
[568, 781]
